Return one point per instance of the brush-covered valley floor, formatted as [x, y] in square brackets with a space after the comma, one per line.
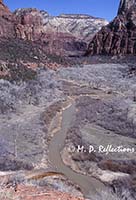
[31, 113]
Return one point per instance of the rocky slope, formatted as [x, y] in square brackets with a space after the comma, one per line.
[61, 34]
[80, 26]
[119, 36]
[31, 38]
[6, 22]
[31, 193]
[65, 32]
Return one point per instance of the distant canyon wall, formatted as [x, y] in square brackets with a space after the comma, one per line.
[60, 33]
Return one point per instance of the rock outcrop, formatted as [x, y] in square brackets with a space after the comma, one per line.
[119, 36]
[6, 21]
[29, 24]
[3, 9]
[29, 192]
[125, 5]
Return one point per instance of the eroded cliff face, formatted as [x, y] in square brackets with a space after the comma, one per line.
[119, 36]
[29, 24]
[125, 5]
[6, 21]
[3, 9]
[60, 35]
[64, 33]
[39, 22]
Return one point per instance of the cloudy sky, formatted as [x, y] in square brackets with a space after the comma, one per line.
[100, 8]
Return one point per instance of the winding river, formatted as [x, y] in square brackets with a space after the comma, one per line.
[90, 187]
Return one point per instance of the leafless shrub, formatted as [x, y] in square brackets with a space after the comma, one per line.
[96, 84]
[134, 92]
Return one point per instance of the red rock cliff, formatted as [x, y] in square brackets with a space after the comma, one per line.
[6, 21]
[119, 36]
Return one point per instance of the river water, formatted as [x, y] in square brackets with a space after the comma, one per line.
[90, 187]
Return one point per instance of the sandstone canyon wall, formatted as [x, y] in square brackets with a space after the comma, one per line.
[64, 33]
[119, 36]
